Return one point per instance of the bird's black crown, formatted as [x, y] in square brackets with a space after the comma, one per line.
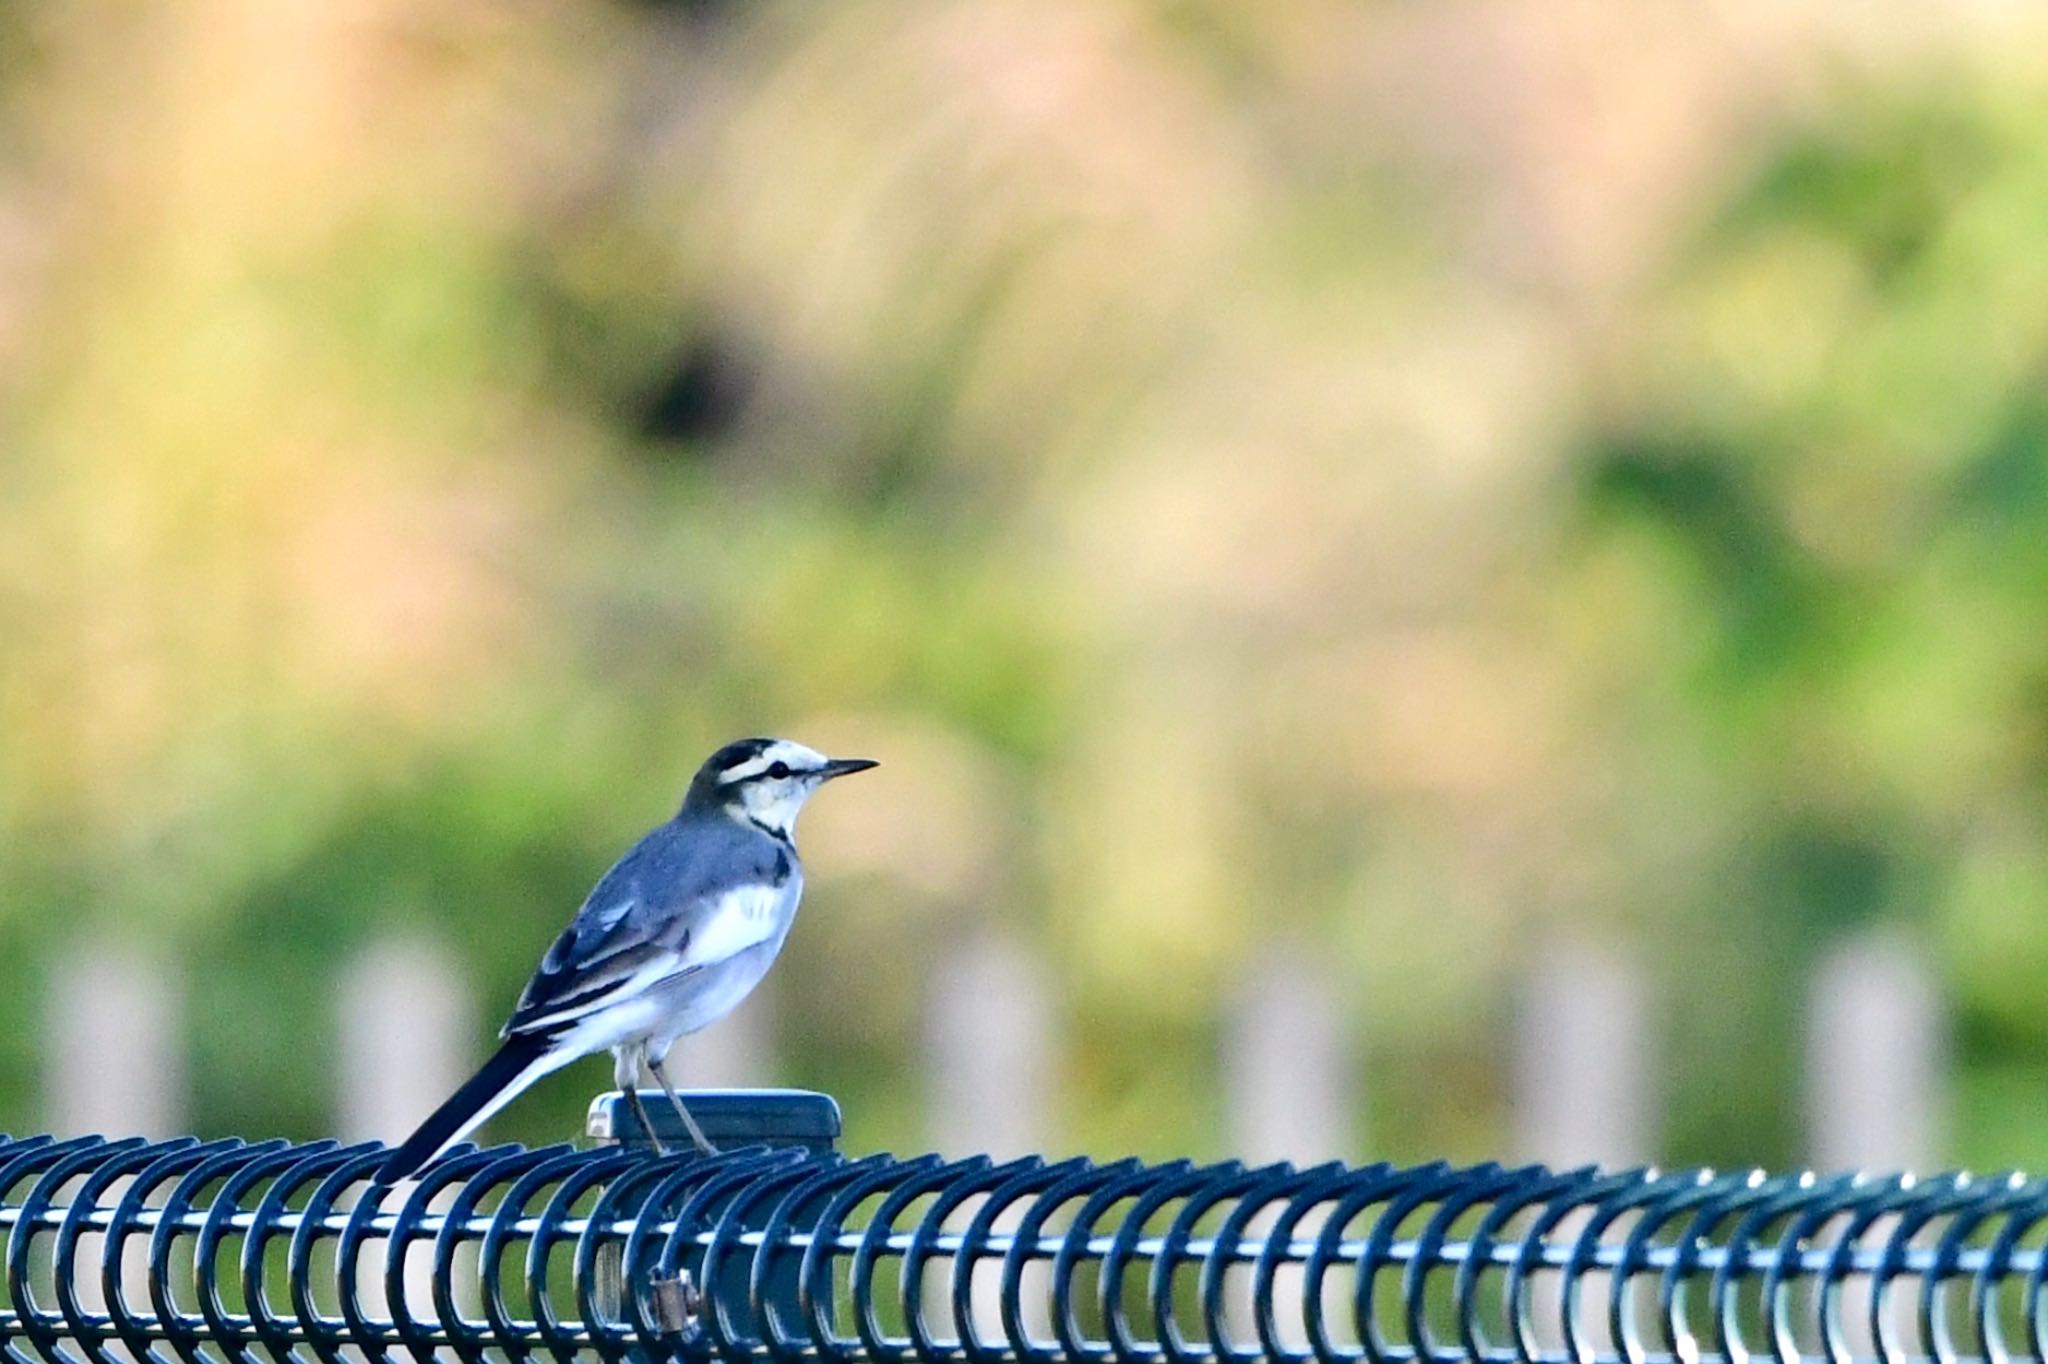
[705, 789]
[733, 755]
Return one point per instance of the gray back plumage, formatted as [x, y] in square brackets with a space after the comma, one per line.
[650, 905]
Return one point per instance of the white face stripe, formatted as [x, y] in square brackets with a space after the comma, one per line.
[794, 756]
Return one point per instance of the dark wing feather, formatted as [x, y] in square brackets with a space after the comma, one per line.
[571, 994]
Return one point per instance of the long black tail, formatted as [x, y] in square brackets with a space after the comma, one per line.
[517, 1064]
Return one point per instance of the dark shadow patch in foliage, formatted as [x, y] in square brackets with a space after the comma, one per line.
[1765, 591]
[698, 13]
[2005, 483]
[1883, 186]
[703, 396]
[1997, 1036]
[667, 375]
[1830, 875]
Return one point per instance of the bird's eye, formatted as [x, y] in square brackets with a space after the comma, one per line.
[778, 770]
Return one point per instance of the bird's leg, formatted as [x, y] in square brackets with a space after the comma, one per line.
[696, 1132]
[626, 1074]
[640, 1112]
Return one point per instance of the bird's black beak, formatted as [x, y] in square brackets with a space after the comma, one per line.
[844, 767]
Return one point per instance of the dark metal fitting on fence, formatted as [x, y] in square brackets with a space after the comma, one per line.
[677, 1302]
[779, 1118]
[188, 1252]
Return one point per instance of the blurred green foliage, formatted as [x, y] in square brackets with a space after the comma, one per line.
[1414, 481]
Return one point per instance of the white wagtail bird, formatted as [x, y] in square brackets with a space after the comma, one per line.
[671, 940]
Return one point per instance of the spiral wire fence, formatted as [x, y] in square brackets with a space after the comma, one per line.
[183, 1252]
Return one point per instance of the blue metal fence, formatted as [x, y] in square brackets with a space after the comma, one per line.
[234, 1251]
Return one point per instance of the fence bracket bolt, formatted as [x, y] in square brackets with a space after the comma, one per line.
[676, 1302]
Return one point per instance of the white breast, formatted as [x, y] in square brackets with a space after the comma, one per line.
[744, 917]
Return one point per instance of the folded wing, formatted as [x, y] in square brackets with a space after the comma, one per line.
[611, 955]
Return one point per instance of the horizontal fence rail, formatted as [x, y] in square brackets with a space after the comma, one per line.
[226, 1250]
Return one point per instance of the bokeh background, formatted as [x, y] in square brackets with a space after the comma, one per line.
[1401, 485]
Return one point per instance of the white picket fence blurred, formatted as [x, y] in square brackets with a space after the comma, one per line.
[1294, 1071]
